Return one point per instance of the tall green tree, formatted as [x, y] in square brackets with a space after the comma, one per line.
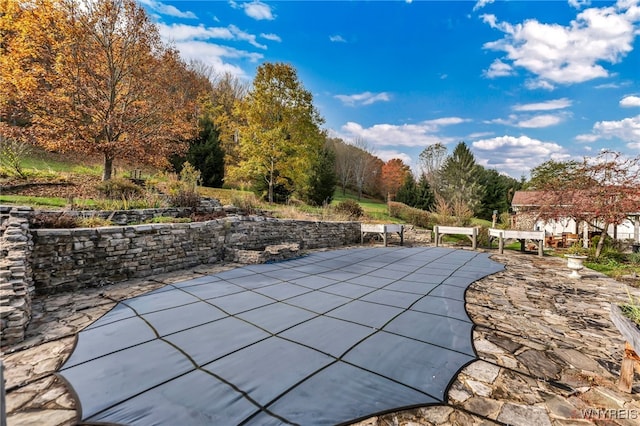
[321, 178]
[425, 197]
[498, 192]
[460, 179]
[408, 191]
[281, 137]
[205, 154]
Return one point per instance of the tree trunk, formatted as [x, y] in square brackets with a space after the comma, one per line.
[603, 236]
[108, 167]
[271, 184]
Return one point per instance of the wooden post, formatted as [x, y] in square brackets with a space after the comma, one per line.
[541, 248]
[501, 244]
[435, 231]
[474, 238]
[629, 363]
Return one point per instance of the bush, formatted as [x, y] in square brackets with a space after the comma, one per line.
[416, 217]
[483, 236]
[12, 152]
[119, 189]
[349, 208]
[184, 192]
[53, 221]
[93, 222]
[247, 202]
[184, 198]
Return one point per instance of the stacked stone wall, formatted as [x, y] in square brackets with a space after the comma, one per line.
[67, 259]
[136, 216]
[16, 283]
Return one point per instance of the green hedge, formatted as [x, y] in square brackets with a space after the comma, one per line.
[416, 217]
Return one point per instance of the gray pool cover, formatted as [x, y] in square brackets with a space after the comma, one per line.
[328, 338]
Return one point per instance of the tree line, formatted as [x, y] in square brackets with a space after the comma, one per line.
[95, 77]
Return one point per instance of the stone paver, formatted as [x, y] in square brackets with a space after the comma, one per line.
[548, 351]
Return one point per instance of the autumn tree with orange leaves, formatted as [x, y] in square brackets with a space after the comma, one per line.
[94, 77]
[394, 173]
[602, 190]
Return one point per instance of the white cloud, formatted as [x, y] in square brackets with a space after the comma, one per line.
[182, 32]
[533, 84]
[365, 98]
[569, 54]
[477, 135]
[627, 130]
[271, 37]
[337, 39]
[630, 101]
[544, 106]
[214, 55]
[482, 3]
[516, 155]
[540, 121]
[498, 69]
[258, 11]
[409, 135]
[579, 4]
[530, 122]
[608, 86]
[389, 154]
[166, 9]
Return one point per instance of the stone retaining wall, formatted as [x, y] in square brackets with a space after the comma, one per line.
[16, 283]
[128, 217]
[67, 259]
[49, 261]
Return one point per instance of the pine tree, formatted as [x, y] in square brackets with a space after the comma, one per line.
[460, 180]
[322, 179]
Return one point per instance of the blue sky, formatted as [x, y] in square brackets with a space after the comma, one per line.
[521, 82]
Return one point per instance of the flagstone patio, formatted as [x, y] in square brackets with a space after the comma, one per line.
[548, 352]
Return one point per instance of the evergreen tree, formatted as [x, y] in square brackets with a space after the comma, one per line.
[461, 183]
[205, 154]
[499, 190]
[425, 198]
[322, 179]
[408, 192]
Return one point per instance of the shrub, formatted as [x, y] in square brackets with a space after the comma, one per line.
[53, 221]
[416, 217]
[349, 208]
[184, 198]
[483, 236]
[93, 222]
[247, 202]
[184, 192]
[12, 152]
[119, 189]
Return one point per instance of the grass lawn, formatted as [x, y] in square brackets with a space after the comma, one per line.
[33, 201]
[373, 208]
